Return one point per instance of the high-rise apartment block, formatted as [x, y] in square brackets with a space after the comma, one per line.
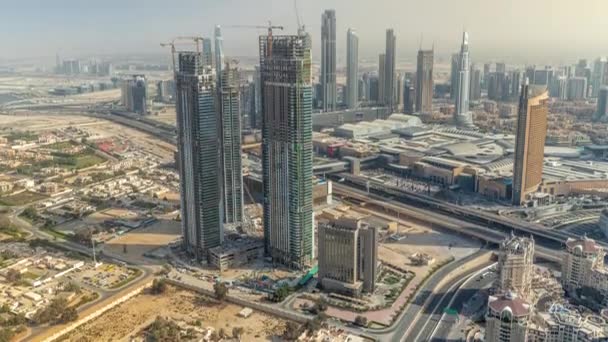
[199, 149]
[530, 139]
[328, 60]
[515, 266]
[424, 82]
[348, 256]
[566, 324]
[582, 257]
[286, 81]
[507, 318]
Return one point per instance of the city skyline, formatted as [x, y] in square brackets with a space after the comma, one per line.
[46, 31]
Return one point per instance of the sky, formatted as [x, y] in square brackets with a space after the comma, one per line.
[526, 31]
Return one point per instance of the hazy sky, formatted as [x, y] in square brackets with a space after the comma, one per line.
[522, 30]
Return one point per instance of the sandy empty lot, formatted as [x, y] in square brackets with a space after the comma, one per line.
[130, 317]
[140, 241]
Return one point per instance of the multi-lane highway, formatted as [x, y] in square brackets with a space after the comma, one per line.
[440, 220]
[442, 324]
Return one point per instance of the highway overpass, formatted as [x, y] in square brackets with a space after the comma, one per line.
[548, 250]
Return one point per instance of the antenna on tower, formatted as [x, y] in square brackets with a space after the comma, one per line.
[420, 42]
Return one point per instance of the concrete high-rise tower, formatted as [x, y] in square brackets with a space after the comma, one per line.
[389, 69]
[515, 266]
[198, 128]
[462, 115]
[328, 60]
[219, 53]
[232, 173]
[352, 68]
[285, 64]
[424, 82]
[530, 142]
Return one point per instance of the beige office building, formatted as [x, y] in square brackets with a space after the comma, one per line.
[515, 266]
[348, 256]
[530, 142]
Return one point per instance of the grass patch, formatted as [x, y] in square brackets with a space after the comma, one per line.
[56, 234]
[88, 160]
[22, 135]
[86, 299]
[22, 198]
[82, 160]
[135, 275]
[61, 145]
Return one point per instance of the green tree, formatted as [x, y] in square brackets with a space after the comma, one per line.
[237, 332]
[13, 276]
[159, 286]
[292, 331]
[69, 315]
[30, 212]
[221, 291]
[361, 321]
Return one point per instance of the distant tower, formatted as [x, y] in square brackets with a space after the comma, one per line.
[602, 104]
[381, 78]
[389, 69]
[328, 60]
[599, 76]
[454, 70]
[232, 172]
[199, 151]
[285, 64]
[219, 53]
[424, 82]
[530, 142]
[134, 94]
[352, 68]
[207, 52]
[475, 87]
[462, 115]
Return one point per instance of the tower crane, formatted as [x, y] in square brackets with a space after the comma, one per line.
[269, 27]
[175, 40]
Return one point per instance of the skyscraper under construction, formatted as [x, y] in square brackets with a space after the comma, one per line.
[199, 151]
[285, 63]
[232, 173]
